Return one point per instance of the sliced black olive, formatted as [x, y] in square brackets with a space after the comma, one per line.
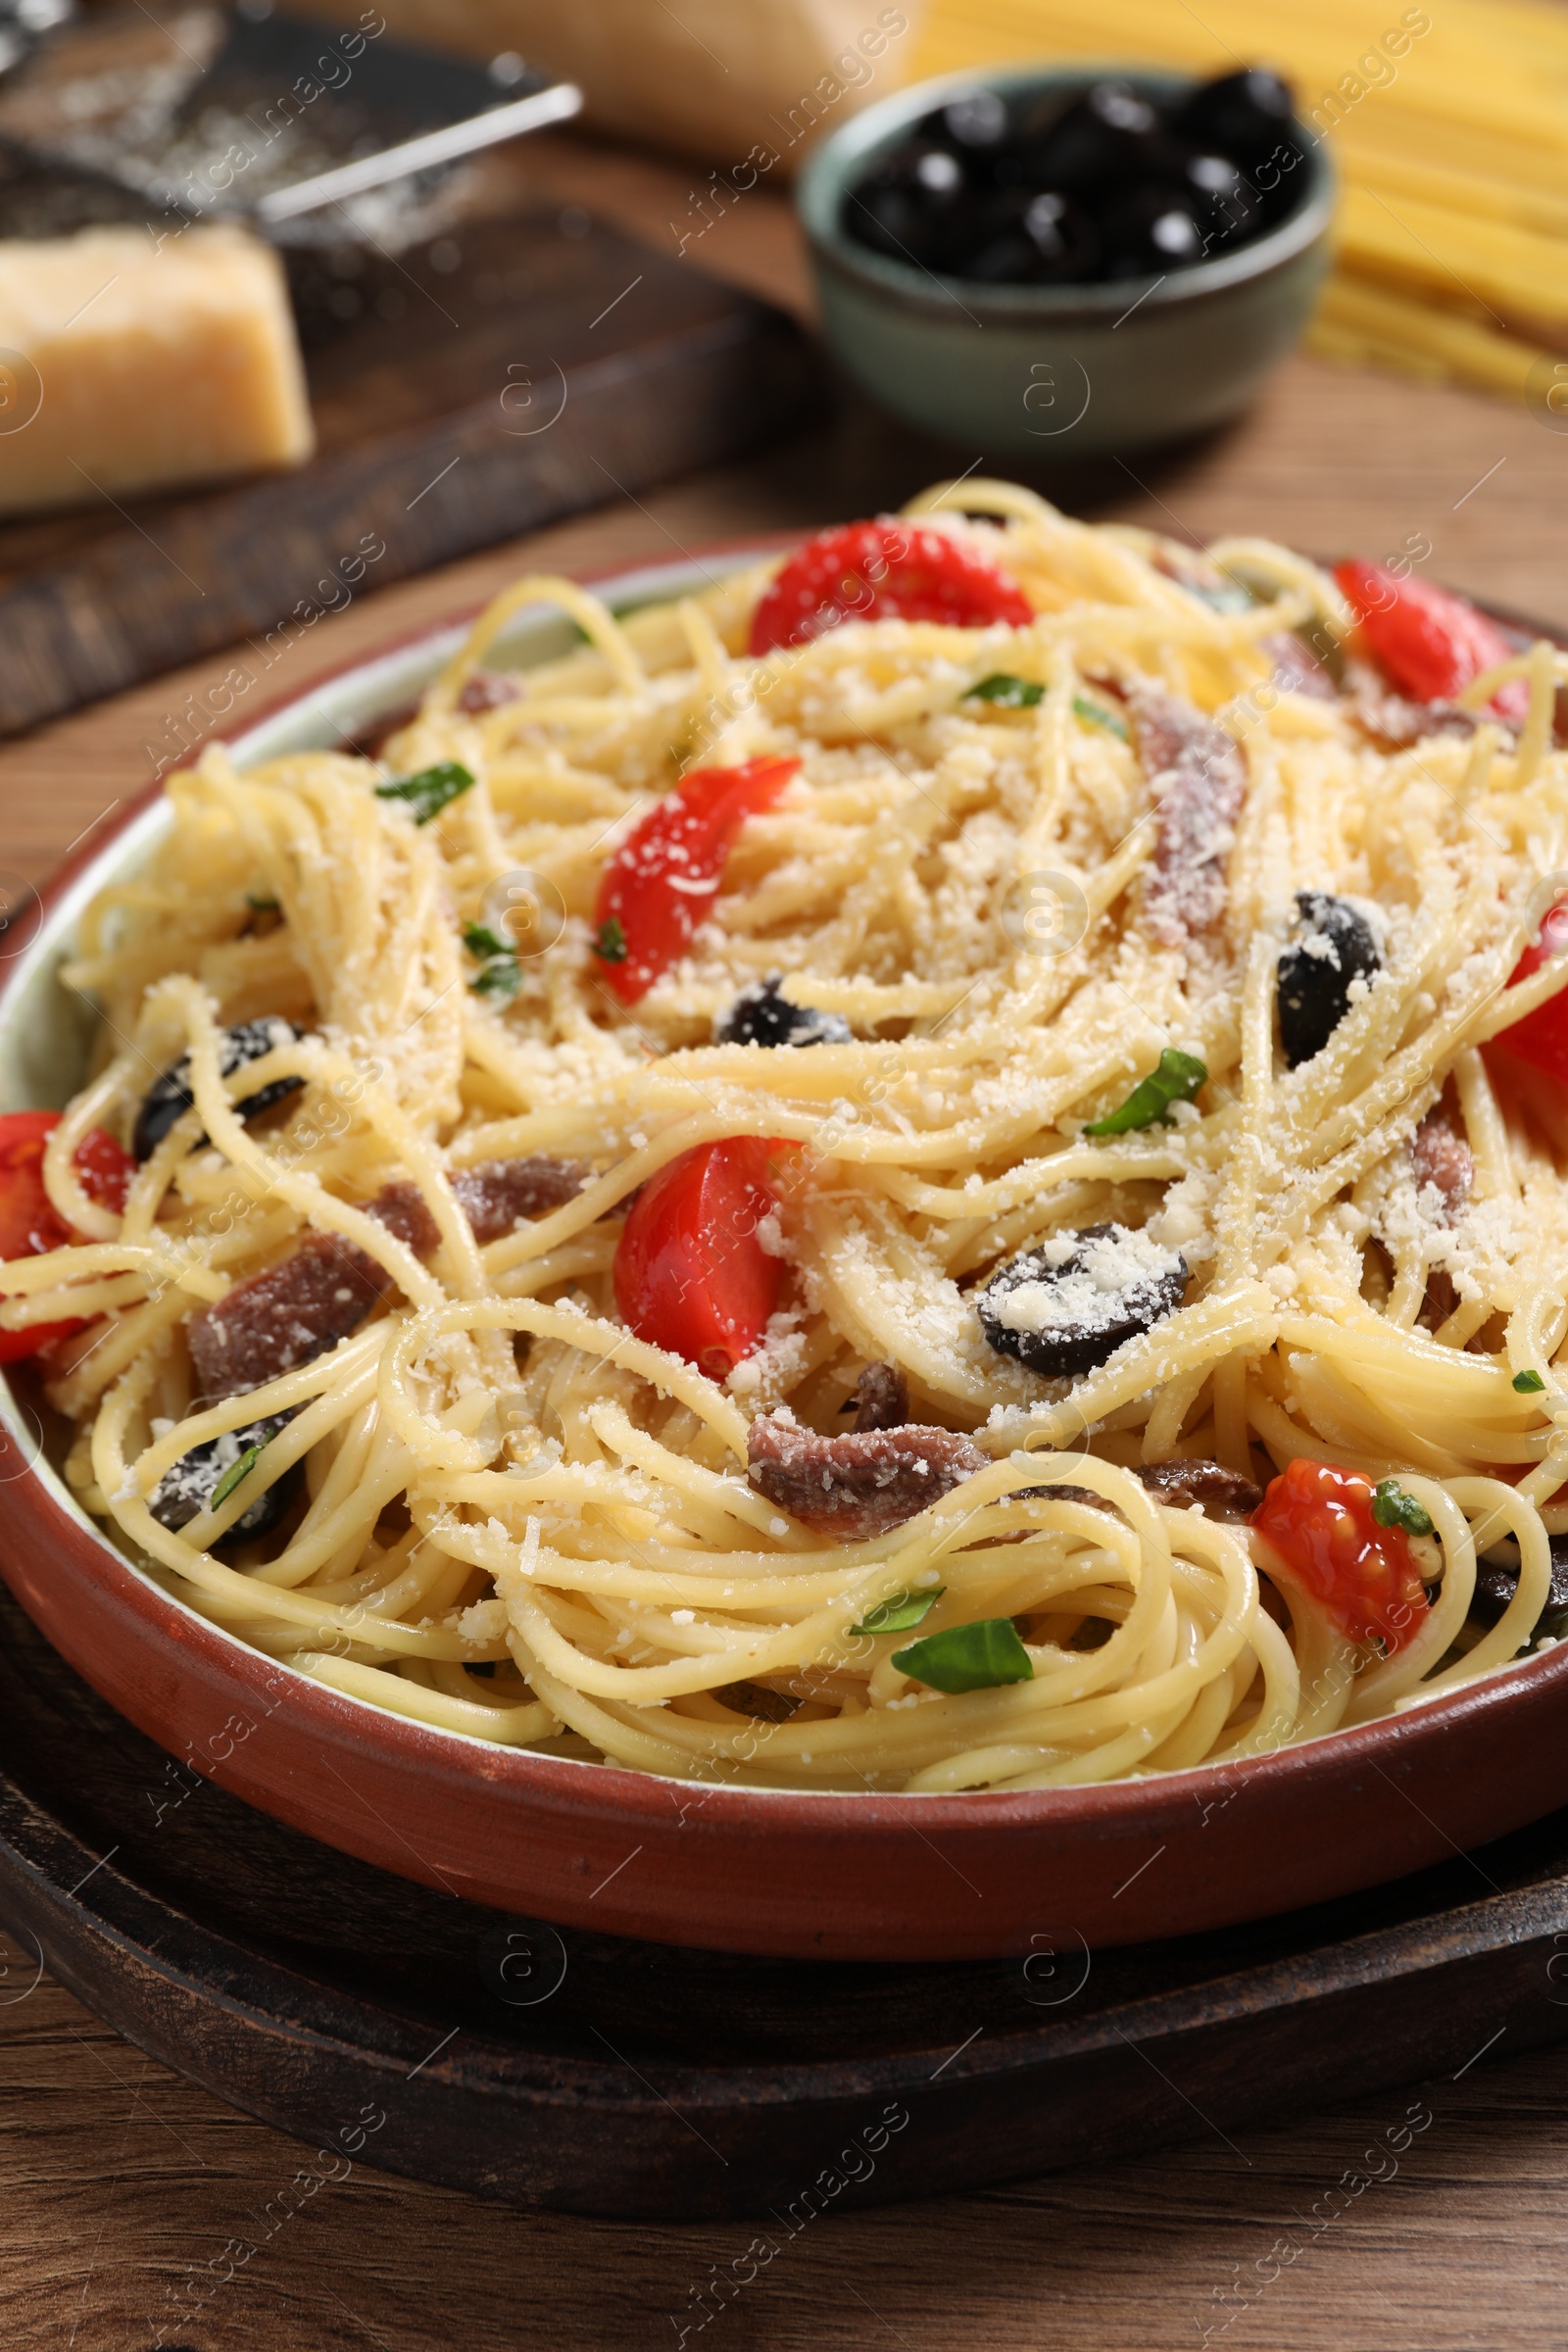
[1241, 115]
[763, 1015]
[1335, 949]
[1070, 1304]
[170, 1095]
[187, 1487]
[1496, 1585]
[1148, 230]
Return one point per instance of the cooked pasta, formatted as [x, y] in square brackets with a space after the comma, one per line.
[509, 1502]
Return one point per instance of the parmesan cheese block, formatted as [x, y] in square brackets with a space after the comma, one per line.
[126, 367]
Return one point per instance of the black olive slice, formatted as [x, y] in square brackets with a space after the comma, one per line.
[187, 1487]
[1496, 1585]
[169, 1097]
[764, 1016]
[1335, 949]
[1070, 1304]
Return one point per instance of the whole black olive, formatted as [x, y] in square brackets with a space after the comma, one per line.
[186, 1488]
[1335, 949]
[976, 124]
[1070, 1304]
[905, 207]
[1107, 137]
[1024, 240]
[169, 1097]
[1244, 115]
[764, 1016]
[1149, 230]
[1224, 199]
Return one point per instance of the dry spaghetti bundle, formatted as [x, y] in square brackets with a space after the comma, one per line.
[983, 1010]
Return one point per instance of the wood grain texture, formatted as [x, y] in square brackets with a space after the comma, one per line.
[121, 2178]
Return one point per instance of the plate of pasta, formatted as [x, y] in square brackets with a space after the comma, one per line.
[851, 1250]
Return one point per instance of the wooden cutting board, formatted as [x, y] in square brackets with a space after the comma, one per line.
[512, 372]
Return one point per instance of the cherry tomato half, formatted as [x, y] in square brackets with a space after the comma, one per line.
[665, 877]
[28, 1221]
[1363, 1577]
[1428, 641]
[691, 1272]
[1542, 1037]
[883, 570]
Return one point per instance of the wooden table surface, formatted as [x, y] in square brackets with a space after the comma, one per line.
[116, 2178]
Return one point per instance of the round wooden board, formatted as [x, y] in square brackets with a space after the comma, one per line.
[600, 2075]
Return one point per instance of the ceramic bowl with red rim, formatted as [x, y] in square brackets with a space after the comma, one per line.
[866, 1876]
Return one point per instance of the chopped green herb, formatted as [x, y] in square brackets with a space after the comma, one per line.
[500, 977]
[500, 974]
[1175, 1078]
[429, 792]
[1094, 714]
[481, 942]
[261, 905]
[236, 1475]
[1392, 1506]
[1527, 1384]
[899, 1611]
[610, 945]
[968, 1657]
[1005, 691]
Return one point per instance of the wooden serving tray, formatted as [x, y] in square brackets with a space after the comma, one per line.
[510, 372]
[597, 2075]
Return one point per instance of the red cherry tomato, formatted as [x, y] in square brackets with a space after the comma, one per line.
[1363, 1577]
[691, 1274]
[665, 877]
[1428, 641]
[883, 570]
[28, 1221]
[1542, 1037]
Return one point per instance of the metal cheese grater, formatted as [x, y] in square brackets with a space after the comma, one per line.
[307, 134]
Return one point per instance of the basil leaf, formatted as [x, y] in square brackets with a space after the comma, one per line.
[1176, 1078]
[429, 792]
[610, 945]
[1093, 715]
[481, 942]
[236, 1475]
[498, 977]
[968, 1657]
[1527, 1384]
[899, 1611]
[1005, 691]
[259, 905]
[1392, 1506]
[499, 972]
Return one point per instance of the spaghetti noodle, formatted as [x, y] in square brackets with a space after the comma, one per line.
[1018, 911]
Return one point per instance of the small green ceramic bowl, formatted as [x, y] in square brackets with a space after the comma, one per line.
[1057, 372]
